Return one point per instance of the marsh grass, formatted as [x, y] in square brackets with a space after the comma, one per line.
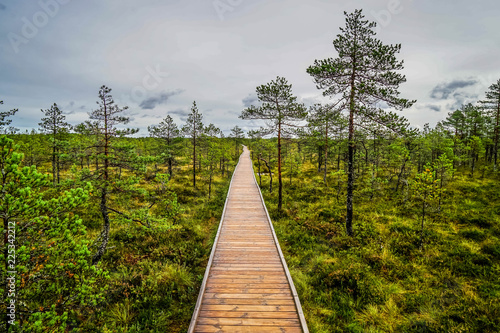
[155, 274]
[379, 280]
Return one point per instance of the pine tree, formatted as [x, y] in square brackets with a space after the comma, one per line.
[194, 128]
[5, 122]
[491, 105]
[214, 147]
[53, 124]
[363, 75]
[280, 109]
[237, 134]
[106, 118]
[325, 118]
[168, 131]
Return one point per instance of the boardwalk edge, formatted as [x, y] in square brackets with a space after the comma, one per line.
[298, 306]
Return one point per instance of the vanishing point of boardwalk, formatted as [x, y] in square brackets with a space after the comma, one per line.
[247, 286]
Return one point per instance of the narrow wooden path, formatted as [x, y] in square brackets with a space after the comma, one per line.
[247, 286]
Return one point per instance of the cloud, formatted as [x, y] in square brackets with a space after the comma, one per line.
[233, 113]
[433, 107]
[179, 112]
[2, 7]
[72, 109]
[444, 90]
[251, 99]
[461, 98]
[162, 98]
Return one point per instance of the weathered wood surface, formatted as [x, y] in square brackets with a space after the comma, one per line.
[247, 287]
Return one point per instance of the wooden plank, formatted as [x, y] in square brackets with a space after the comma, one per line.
[269, 279]
[232, 273]
[255, 296]
[246, 264]
[248, 261]
[240, 269]
[250, 315]
[246, 329]
[248, 301]
[282, 285]
[249, 308]
[285, 291]
[249, 322]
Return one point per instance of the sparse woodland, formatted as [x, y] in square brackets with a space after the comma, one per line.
[385, 227]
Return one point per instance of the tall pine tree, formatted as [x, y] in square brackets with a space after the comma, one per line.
[325, 119]
[194, 129]
[5, 122]
[54, 125]
[492, 107]
[280, 109]
[363, 75]
[167, 131]
[106, 117]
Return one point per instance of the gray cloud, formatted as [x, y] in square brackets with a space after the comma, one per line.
[233, 113]
[251, 99]
[179, 112]
[461, 98]
[433, 107]
[162, 98]
[2, 7]
[72, 109]
[444, 90]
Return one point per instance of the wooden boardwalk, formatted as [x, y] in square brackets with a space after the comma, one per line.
[247, 286]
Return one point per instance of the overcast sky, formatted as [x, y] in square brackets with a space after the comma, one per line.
[159, 56]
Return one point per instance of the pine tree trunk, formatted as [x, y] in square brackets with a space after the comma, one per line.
[338, 158]
[170, 167]
[497, 134]
[58, 168]
[422, 228]
[400, 175]
[320, 158]
[54, 167]
[210, 186]
[350, 162]
[280, 184]
[326, 152]
[194, 160]
[105, 231]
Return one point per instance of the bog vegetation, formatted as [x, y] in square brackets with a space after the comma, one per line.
[385, 228]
